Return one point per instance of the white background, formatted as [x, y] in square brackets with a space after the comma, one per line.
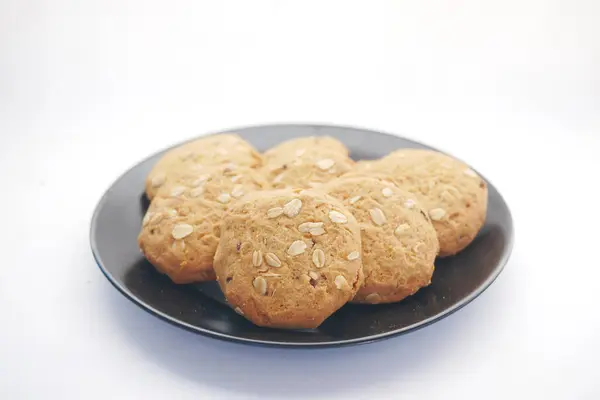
[87, 88]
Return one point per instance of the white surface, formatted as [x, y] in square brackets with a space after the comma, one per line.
[88, 88]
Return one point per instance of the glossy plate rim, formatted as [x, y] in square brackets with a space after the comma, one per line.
[270, 343]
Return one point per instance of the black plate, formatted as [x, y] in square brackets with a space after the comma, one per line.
[201, 308]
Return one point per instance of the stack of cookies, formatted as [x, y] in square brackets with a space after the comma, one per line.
[297, 232]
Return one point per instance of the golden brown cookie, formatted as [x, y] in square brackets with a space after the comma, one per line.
[399, 244]
[306, 162]
[291, 149]
[229, 150]
[181, 229]
[288, 258]
[453, 194]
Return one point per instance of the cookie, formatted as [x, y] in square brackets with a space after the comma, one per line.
[289, 150]
[399, 244]
[288, 258]
[306, 162]
[194, 156]
[181, 228]
[453, 194]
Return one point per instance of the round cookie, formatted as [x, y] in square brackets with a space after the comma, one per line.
[288, 258]
[194, 156]
[290, 150]
[307, 171]
[453, 194]
[399, 244]
[306, 162]
[181, 229]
